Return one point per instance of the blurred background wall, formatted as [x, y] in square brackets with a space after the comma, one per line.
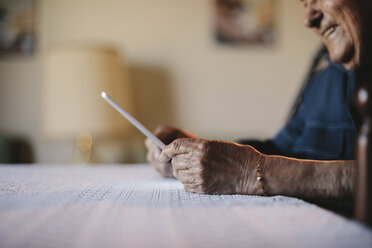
[180, 75]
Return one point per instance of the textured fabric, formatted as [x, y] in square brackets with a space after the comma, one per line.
[131, 206]
[323, 126]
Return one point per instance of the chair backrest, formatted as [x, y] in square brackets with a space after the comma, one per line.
[363, 182]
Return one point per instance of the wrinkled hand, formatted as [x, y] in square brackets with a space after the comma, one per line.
[213, 167]
[167, 135]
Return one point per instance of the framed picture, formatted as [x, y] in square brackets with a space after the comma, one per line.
[17, 31]
[243, 22]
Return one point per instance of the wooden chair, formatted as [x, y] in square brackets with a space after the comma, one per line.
[363, 182]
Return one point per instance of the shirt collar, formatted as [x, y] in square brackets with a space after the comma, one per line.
[339, 67]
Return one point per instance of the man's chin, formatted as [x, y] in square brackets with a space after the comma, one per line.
[350, 61]
[351, 65]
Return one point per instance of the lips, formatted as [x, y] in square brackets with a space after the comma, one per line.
[328, 31]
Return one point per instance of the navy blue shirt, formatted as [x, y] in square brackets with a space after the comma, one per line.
[323, 126]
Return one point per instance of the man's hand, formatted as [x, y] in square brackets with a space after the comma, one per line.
[167, 135]
[213, 167]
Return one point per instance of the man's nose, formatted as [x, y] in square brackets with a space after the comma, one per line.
[313, 15]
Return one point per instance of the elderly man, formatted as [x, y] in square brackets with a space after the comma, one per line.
[317, 144]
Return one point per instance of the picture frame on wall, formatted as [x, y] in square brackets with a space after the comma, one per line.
[17, 27]
[244, 22]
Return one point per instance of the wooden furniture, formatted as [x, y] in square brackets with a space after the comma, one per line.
[131, 206]
[15, 150]
[363, 182]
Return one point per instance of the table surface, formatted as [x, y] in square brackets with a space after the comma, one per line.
[131, 206]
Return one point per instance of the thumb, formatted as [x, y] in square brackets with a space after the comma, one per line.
[168, 152]
[164, 157]
[178, 146]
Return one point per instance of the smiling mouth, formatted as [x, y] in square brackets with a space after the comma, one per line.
[329, 31]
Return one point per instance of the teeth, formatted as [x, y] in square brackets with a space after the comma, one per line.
[329, 31]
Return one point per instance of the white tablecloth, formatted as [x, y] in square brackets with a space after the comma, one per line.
[131, 206]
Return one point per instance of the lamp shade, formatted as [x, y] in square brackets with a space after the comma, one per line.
[74, 77]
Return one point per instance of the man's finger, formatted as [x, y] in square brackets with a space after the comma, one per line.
[185, 177]
[178, 146]
[150, 144]
[193, 188]
[182, 161]
[153, 155]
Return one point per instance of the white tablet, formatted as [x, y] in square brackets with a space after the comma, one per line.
[132, 120]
